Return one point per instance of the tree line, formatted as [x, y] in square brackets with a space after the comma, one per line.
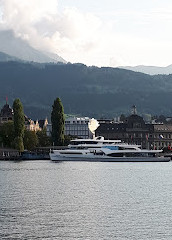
[102, 91]
[13, 134]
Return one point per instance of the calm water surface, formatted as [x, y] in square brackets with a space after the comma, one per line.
[85, 200]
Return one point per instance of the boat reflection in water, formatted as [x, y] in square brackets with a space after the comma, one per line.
[101, 150]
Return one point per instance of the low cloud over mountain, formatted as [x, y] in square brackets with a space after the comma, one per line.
[19, 48]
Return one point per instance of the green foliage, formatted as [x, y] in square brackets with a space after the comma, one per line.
[30, 140]
[19, 124]
[7, 134]
[58, 121]
[43, 139]
[18, 144]
[67, 139]
[18, 118]
[87, 91]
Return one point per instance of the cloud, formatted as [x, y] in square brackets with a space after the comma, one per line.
[44, 27]
[117, 37]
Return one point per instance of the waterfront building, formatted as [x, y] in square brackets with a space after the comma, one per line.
[49, 129]
[31, 125]
[135, 131]
[43, 123]
[81, 127]
[37, 125]
[6, 114]
[162, 137]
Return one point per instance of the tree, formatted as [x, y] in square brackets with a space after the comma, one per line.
[57, 120]
[18, 144]
[19, 124]
[67, 139]
[30, 140]
[7, 134]
[43, 139]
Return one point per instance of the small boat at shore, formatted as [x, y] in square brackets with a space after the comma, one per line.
[28, 155]
[101, 150]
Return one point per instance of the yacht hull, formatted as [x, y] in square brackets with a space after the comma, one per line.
[108, 159]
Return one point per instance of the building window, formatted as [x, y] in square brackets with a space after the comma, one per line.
[136, 125]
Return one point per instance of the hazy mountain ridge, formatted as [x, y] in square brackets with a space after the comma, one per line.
[151, 70]
[16, 47]
[6, 58]
[88, 91]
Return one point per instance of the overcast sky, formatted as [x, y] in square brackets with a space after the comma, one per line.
[99, 32]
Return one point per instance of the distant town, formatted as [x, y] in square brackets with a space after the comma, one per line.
[133, 129]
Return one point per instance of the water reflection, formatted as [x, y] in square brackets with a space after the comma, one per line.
[77, 200]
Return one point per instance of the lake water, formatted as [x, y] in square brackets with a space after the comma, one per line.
[85, 200]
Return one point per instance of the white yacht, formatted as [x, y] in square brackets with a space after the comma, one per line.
[101, 150]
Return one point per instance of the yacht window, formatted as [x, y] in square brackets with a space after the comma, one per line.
[71, 153]
[125, 148]
[116, 154]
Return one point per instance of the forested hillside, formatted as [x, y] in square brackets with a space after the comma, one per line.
[86, 91]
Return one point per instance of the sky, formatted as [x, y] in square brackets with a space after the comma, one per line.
[100, 32]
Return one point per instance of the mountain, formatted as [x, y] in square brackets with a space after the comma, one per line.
[86, 91]
[152, 70]
[15, 46]
[55, 57]
[6, 58]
